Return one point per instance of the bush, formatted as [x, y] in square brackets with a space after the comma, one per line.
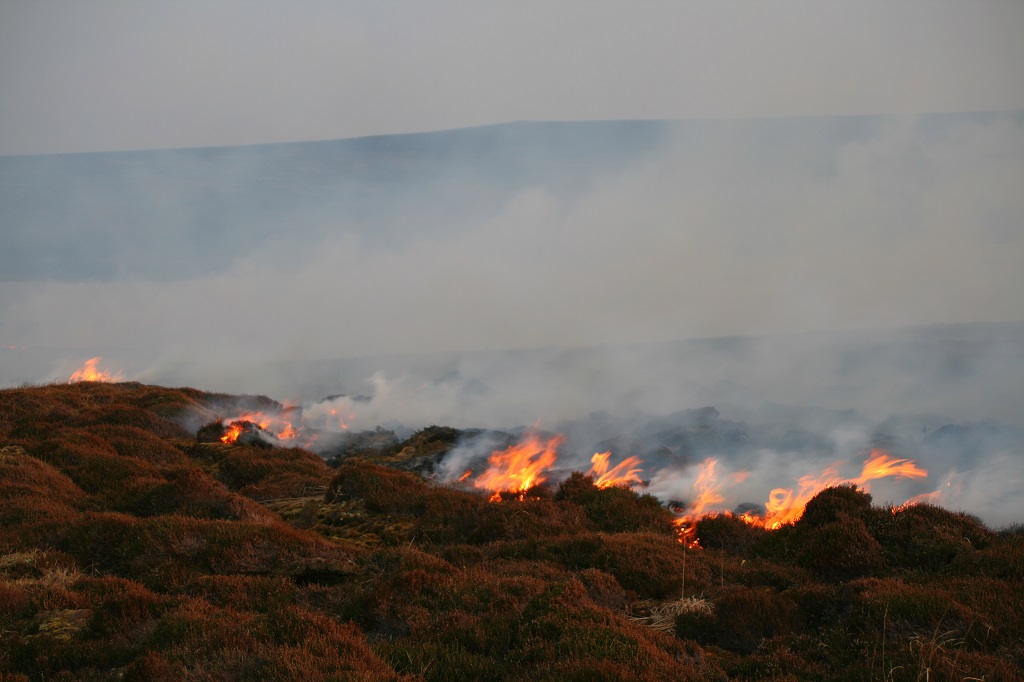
[729, 533]
[841, 550]
[831, 503]
[616, 509]
[926, 536]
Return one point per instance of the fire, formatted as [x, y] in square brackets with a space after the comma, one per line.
[934, 497]
[89, 372]
[786, 505]
[233, 432]
[342, 424]
[708, 495]
[622, 474]
[280, 427]
[521, 466]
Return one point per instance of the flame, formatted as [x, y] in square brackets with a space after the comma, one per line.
[786, 505]
[89, 372]
[466, 474]
[934, 497]
[341, 420]
[707, 495]
[280, 427]
[233, 432]
[925, 498]
[520, 466]
[622, 474]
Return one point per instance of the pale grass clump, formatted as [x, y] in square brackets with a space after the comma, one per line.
[55, 575]
[661, 616]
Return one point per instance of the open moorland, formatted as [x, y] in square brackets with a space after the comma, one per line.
[135, 547]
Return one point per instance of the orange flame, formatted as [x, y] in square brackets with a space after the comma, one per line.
[233, 432]
[934, 497]
[521, 466]
[707, 495]
[621, 474]
[925, 498]
[280, 427]
[89, 372]
[786, 505]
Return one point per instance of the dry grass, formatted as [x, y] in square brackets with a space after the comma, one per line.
[662, 616]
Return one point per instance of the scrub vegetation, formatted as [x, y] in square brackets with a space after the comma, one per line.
[129, 550]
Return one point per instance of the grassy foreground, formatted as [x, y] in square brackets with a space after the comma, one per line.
[131, 551]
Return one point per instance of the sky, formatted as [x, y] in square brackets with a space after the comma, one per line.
[111, 75]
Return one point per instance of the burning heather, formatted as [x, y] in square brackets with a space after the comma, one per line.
[520, 466]
[90, 372]
[278, 426]
[667, 460]
[786, 505]
[623, 473]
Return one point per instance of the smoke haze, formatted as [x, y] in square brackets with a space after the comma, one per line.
[855, 280]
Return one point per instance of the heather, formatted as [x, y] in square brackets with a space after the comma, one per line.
[131, 549]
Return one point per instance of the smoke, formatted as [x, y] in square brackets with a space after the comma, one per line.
[869, 267]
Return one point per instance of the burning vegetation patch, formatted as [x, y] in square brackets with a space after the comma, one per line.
[131, 548]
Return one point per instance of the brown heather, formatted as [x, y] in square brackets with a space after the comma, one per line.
[130, 551]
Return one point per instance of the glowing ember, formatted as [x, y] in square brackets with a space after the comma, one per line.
[521, 466]
[89, 372]
[622, 474]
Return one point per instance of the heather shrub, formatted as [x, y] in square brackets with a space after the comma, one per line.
[648, 564]
[926, 536]
[192, 492]
[199, 642]
[130, 441]
[265, 473]
[615, 509]
[443, 515]
[14, 601]
[440, 661]
[833, 502]
[96, 467]
[742, 618]
[24, 476]
[258, 593]
[729, 533]
[120, 414]
[603, 589]
[1002, 559]
[167, 550]
[840, 549]
[381, 488]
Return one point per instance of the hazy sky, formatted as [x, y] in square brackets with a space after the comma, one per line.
[88, 75]
[751, 226]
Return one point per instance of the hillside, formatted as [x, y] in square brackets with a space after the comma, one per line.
[132, 549]
[168, 214]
